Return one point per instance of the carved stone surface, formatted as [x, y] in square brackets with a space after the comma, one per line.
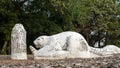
[18, 42]
[69, 44]
[65, 44]
[106, 51]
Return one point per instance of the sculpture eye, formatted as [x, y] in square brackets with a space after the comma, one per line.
[38, 39]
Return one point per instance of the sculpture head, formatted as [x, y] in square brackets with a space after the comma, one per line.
[41, 41]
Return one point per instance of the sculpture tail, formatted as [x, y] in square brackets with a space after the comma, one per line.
[32, 49]
[97, 51]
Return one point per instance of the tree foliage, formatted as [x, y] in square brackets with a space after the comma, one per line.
[96, 16]
[7, 19]
[47, 17]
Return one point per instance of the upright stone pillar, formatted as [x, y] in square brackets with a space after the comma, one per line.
[18, 43]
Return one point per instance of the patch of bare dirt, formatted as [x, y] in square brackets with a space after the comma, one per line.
[99, 62]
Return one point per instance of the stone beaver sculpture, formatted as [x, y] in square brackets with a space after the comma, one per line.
[69, 44]
[62, 44]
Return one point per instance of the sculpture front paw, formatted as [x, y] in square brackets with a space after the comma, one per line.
[32, 49]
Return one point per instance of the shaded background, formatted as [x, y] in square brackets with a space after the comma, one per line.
[97, 20]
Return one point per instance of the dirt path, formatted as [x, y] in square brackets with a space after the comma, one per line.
[103, 62]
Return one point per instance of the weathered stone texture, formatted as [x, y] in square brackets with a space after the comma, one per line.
[18, 42]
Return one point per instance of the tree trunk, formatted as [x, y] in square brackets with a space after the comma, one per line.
[18, 42]
[4, 48]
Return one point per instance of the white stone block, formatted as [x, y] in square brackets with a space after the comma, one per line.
[18, 43]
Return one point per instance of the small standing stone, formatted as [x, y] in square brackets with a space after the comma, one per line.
[18, 42]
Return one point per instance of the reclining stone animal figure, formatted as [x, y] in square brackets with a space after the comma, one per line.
[69, 44]
[61, 44]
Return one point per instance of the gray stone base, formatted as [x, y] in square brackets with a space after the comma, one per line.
[98, 62]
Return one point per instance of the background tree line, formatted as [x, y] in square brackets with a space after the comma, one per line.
[94, 19]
